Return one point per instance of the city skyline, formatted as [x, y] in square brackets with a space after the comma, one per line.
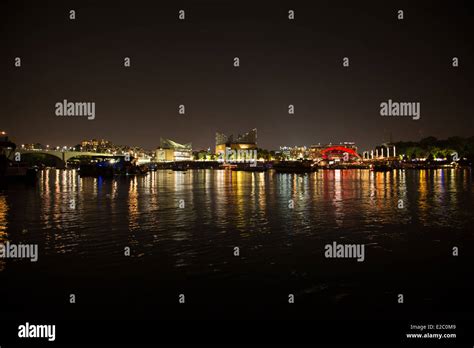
[107, 142]
[282, 62]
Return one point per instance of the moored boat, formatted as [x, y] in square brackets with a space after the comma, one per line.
[12, 171]
[251, 167]
[110, 168]
[228, 166]
[381, 167]
[301, 166]
[179, 167]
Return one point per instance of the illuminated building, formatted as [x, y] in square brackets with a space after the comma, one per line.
[95, 143]
[241, 142]
[170, 151]
[295, 152]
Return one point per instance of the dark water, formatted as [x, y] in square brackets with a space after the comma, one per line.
[82, 226]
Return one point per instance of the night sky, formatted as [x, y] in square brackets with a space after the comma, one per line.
[190, 62]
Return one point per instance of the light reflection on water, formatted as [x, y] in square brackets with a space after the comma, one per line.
[96, 216]
[3, 224]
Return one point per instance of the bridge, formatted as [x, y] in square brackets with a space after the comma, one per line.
[63, 156]
[340, 149]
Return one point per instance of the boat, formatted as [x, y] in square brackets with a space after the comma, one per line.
[300, 166]
[228, 166]
[250, 167]
[12, 171]
[112, 167]
[179, 167]
[381, 167]
[18, 172]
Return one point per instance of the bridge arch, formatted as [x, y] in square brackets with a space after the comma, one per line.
[338, 148]
[62, 156]
[49, 158]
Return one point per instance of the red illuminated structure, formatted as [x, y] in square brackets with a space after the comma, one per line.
[338, 149]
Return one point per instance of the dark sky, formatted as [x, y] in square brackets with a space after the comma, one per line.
[191, 62]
